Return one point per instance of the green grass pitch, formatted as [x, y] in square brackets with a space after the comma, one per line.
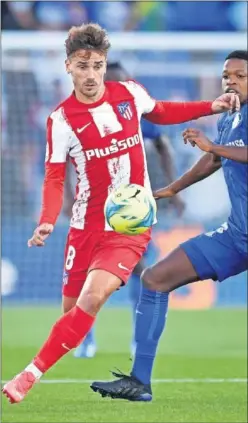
[199, 376]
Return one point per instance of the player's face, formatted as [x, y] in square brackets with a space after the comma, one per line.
[87, 69]
[234, 78]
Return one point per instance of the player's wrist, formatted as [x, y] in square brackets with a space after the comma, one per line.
[212, 148]
[165, 192]
[46, 222]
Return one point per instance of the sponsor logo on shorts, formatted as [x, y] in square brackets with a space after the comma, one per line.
[65, 278]
[220, 230]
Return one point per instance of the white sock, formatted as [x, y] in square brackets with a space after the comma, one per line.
[33, 369]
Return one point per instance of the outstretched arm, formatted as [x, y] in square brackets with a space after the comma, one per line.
[168, 113]
[206, 166]
[196, 137]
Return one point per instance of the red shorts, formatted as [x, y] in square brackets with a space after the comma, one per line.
[115, 253]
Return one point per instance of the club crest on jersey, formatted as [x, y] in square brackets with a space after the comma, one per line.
[65, 278]
[125, 110]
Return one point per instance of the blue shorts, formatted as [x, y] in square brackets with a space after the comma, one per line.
[214, 255]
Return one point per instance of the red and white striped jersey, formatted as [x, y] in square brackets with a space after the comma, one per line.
[105, 144]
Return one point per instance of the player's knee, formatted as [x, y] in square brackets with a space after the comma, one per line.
[153, 281]
[149, 279]
[91, 301]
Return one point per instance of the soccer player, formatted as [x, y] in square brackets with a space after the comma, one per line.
[151, 132]
[214, 255]
[98, 128]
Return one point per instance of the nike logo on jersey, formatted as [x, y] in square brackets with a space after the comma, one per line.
[79, 130]
[122, 267]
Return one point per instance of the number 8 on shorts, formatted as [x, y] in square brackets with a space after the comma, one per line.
[70, 257]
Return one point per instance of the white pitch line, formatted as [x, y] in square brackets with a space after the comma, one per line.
[190, 380]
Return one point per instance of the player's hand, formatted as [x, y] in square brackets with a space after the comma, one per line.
[165, 192]
[40, 235]
[196, 137]
[178, 204]
[226, 102]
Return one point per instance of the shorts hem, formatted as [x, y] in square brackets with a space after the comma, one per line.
[123, 280]
[188, 249]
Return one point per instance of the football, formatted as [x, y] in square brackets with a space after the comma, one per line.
[130, 210]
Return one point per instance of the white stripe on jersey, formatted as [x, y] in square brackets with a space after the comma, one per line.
[61, 137]
[64, 141]
[105, 119]
[144, 103]
[120, 171]
[79, 208]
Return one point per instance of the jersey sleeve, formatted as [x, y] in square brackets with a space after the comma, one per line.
[58, 145]
[171, 113]
[58, 138]
[144, 102]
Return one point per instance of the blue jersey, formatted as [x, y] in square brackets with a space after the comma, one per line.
[232, 131]
[150, 130]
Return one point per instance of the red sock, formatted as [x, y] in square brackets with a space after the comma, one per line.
[66, 334]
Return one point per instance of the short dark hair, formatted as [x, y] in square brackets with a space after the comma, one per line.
[87, 37]
[238, 54]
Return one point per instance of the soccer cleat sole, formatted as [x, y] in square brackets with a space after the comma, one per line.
[143, 398]
[11, 398]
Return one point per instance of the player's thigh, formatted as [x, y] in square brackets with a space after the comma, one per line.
[78, 253]
[171, 272]
[99, 285]
[120, 254]
[111, 266]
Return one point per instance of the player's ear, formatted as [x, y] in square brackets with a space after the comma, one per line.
[68, 66]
